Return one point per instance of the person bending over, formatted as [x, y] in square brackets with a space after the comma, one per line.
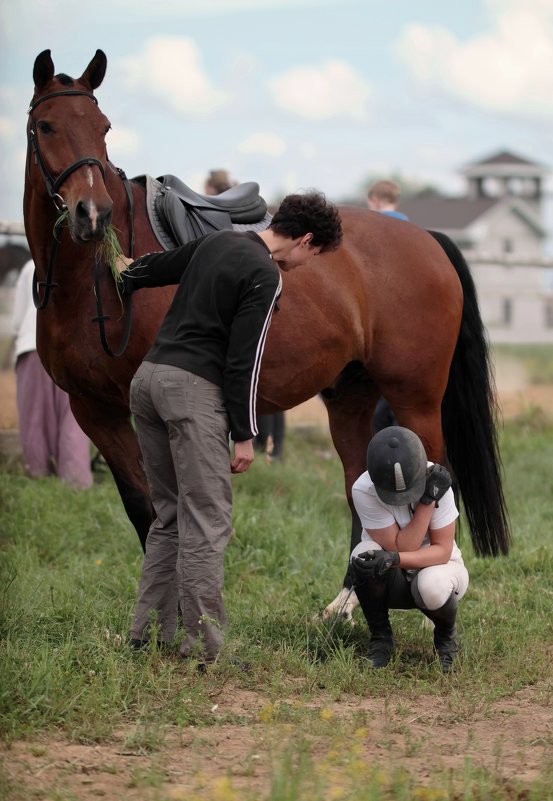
[196, 385]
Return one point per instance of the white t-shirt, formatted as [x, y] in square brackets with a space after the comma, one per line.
[375, 514]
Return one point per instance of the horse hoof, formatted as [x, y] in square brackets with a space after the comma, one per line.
[342, 606]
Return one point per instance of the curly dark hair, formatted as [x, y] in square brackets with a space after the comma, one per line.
[310, 212]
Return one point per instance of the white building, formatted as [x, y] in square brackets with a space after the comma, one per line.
[499, 226]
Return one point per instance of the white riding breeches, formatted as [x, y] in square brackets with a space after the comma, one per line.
[430, 587]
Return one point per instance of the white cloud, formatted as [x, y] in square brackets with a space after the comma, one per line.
[123, 141]
[320, 92]
[506, 70]
[171, 68]
[7, 127]
[265, 144]
[308, 150]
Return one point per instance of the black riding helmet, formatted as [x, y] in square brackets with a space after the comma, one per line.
[396, 462]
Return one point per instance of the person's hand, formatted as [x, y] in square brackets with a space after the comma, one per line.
[243, 456]
[122, 262]
[438, 482]
[372, 564]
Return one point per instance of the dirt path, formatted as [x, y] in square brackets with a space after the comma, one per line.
[509, 738]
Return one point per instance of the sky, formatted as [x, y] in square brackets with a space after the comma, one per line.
[293, 94]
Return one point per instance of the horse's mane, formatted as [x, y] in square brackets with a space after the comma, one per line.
[64, 79]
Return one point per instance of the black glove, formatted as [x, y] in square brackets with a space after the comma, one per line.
[372, 564]
[438, 481]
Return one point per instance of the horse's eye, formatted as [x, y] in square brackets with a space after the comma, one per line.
[44, 127]
[107, 129]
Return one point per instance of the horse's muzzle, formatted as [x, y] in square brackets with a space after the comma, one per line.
[89, 224]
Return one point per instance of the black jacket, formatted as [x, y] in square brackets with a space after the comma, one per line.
[218, 321]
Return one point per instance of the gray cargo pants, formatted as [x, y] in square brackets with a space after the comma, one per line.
[183, 431]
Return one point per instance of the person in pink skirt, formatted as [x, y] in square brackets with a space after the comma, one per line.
[51, 439]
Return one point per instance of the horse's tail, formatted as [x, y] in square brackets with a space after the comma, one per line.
[469, 413]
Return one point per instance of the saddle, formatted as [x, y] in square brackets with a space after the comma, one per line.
[178, 214]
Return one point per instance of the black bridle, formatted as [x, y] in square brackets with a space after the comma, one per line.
[52, 187]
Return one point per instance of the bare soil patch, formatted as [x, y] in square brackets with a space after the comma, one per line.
[510, 738]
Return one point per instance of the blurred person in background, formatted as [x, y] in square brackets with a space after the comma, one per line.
[270, 439]
[51, 439]
[383, 196]
[218, 181]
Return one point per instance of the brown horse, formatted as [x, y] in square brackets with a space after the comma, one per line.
[392, 312]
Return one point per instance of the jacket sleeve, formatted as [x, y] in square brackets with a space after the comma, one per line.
[159, 269]
[245, 350]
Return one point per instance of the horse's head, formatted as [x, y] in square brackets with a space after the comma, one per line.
[67, 149]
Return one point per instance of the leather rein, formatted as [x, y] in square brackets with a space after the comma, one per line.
[53, 187]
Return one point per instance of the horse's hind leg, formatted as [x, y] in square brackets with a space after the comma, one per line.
[425, 419]
[350, 411]
[112, 433]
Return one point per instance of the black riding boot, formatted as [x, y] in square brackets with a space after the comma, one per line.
[372, 599]
[445, 631]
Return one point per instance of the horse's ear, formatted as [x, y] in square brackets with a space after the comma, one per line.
[43, 71]
[94, 73]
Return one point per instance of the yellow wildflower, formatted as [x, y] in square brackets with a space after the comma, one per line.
[223, 790]
[267, 713]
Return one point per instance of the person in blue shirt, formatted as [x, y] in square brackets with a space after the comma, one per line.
[383, 196]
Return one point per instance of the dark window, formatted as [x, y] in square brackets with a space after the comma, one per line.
[507, 311]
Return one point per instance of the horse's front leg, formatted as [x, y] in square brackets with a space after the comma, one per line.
[350, 415]
[112, 433]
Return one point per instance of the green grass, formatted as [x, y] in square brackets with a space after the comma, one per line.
[536, 360]
[70, 564]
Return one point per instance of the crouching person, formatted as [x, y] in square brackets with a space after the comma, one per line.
[407, 557]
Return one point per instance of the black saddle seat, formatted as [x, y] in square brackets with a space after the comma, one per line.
[178, 215]
[243, 202]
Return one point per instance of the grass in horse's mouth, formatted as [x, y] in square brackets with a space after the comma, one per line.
[60, 221]
[110, 250]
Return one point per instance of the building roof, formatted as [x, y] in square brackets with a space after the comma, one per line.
[436, 211]
[505, 164]
[504, 157]
[457, 214]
